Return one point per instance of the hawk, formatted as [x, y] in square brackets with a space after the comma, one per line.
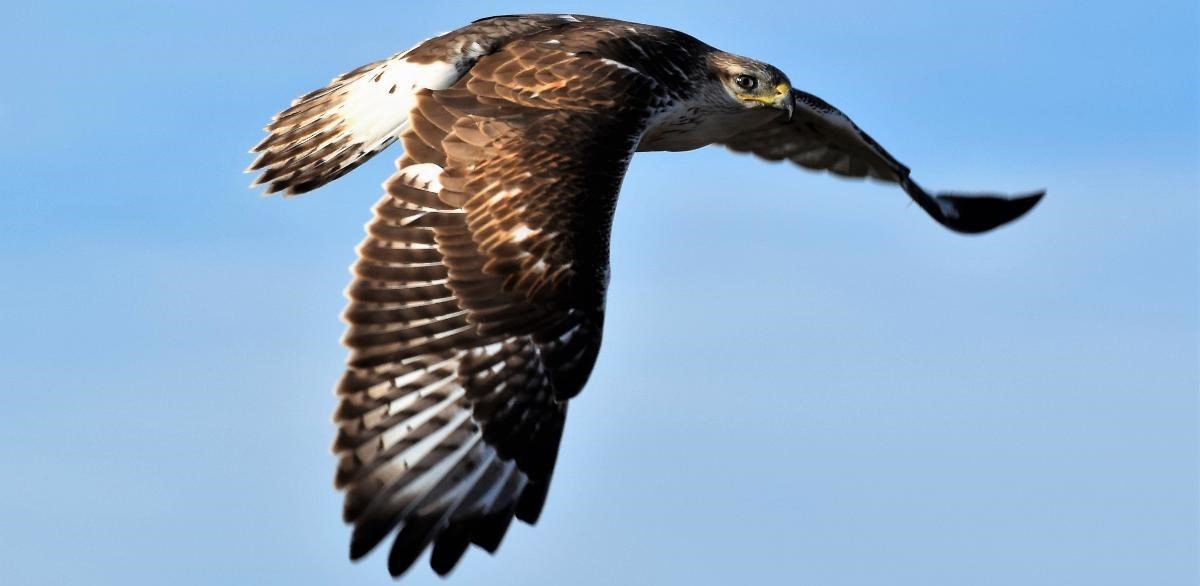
[477, 303]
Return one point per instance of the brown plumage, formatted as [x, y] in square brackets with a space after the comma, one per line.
[477, 304]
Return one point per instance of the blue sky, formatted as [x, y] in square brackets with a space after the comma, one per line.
[804, 379]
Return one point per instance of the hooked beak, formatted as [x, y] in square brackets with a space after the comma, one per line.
[784, 100]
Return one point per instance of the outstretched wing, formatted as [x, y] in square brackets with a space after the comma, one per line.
[331, 131]
[820, 137]
[478, 299]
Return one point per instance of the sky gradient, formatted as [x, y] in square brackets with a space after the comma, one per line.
[804, 379]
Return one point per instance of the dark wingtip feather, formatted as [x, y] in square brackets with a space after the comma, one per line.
[489, 531]
[367, 535]
[532, 501]
[978, 214]
[448, 548]
[414, 536]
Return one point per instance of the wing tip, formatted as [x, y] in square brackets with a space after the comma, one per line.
[976, 214]
[448, 549]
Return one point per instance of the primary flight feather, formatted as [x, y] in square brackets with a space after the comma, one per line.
[477, 304]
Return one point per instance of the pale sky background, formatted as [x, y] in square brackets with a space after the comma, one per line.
[804, 379]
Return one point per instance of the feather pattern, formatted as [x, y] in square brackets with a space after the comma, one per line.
[471, 319]
[329, 132]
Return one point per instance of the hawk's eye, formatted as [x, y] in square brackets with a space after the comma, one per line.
[746, 82]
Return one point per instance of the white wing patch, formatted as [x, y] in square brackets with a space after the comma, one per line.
[329, 132]
[619, 65]
[426, 176]
[522, 233]
[376, 107]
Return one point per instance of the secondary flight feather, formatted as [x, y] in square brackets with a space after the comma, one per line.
[477, 304]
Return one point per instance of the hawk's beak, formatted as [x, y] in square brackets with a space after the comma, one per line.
[784, 99]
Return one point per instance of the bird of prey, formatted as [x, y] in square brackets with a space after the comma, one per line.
[477, 302]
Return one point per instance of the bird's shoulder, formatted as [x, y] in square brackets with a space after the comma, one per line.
[668, 56]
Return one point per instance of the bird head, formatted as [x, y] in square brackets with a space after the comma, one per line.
[753, 84]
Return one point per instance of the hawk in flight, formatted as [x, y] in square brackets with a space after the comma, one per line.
[477, 303]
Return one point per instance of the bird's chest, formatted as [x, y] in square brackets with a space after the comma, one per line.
[685, 128]
[692, 126]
